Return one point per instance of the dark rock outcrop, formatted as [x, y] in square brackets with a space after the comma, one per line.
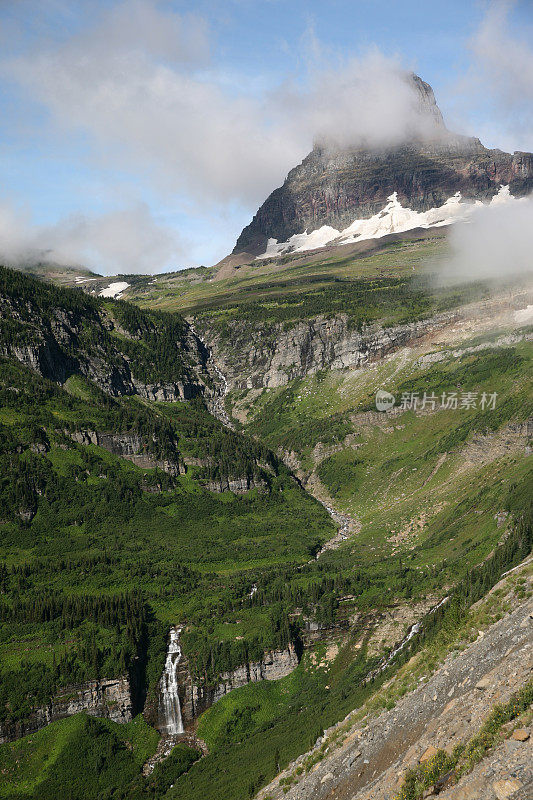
[235, 485]
[132, 447]
[58, 343]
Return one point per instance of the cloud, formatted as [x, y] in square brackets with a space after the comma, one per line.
[503, 74]
[496, 244]
[123, 241]
[138, 89]
[371, 100]
[140, 84]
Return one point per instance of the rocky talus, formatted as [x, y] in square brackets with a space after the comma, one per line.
[369, 760]
[505, 773]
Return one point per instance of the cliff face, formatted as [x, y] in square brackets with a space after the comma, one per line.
[131, 447]
[336, 189]
[271, 356]
[113, 372]
[235, 485]
[335, 186]
[60, 333]
[104, 698]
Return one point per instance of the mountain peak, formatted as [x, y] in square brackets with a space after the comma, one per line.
[337, 184]
[412, 116]
[426, 97]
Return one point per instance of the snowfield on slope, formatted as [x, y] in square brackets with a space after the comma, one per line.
[114, 289]
[394, 218]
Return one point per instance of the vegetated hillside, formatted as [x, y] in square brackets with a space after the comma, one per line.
[60, 333]
[408, 477]
[392, 272]
[430, 494]
[104, 550]
[193, 290]
[108, 524]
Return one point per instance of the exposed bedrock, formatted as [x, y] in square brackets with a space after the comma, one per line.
[130, 446]
[195, 699]
[55, 348]
[274, 665]
[109, 698]
[367, 759]
[268, 356]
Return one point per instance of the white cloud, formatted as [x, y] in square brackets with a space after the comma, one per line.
[123, 241]
[140, 85]
[507, 59]
[369, 100]
[500, 81]
[496, 244]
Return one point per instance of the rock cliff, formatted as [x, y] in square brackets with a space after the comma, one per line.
[235, 485]
[195, 699]
[112, 372]
[272, 355]
[109, 698]
[59, 334]
[132, 447]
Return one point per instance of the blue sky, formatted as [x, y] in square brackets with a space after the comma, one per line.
[143, 135]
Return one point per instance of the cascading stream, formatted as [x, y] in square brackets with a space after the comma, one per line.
[413, 630]
[217, 407]
[170, 721]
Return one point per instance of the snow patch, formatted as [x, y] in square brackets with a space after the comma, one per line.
[114, 289]
[393, 218]
[524, 315]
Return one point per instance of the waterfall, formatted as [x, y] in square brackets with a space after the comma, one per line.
[411, 632]
[170, 721]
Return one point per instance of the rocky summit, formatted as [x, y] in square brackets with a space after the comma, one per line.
[334, 186]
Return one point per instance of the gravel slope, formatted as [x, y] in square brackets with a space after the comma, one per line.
[447, 708]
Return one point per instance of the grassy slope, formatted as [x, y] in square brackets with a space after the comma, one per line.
[436, 479]
[94, 507]
[194, 291]
[83, 758]
[403, 476]
[44, 763]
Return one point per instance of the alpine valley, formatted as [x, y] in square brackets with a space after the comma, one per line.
[226, 571]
